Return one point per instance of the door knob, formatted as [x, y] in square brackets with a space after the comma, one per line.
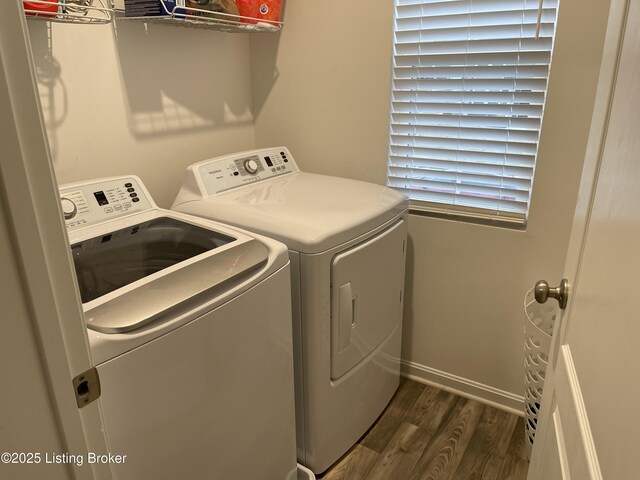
[542, 292]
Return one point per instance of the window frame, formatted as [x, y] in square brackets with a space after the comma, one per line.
[546, 15]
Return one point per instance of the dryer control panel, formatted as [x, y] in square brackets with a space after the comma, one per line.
[231, 171]
[90, 203]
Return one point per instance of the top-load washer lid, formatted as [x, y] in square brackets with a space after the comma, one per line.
[111, 261]
[136, 263]
[310, 213]
[153, 268]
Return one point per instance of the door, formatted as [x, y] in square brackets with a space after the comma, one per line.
[366, 297]
[588, 427]
[44, 307]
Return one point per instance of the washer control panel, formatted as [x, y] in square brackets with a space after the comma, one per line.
[231, 171]
[101, 200]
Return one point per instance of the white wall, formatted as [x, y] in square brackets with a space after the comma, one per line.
[322, 88]
[147, 101]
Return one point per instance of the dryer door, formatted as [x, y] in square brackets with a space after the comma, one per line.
[367, 283]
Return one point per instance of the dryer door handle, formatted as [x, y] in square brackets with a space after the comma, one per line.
[347, 315]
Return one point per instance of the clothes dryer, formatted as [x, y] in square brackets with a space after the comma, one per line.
[347, 245]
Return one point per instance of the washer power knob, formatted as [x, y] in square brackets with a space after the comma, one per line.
[69, 208]
[251, 166]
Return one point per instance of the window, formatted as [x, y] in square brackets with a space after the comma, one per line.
[469, 84]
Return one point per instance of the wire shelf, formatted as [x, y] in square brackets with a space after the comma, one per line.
[70, 11]
[199, 18]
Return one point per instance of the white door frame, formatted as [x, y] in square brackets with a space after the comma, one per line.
[560, 362]
[41, 251]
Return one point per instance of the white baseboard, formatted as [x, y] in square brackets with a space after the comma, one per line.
[464, 387]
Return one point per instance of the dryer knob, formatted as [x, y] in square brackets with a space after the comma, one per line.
[251, 166]
[69, 208]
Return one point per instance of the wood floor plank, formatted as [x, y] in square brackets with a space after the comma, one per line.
[515, 465]
[492, 470]
[385, 428]
[484, 455]
[401, 454]
[430, 409]
[428, 434]
[444, 453]
[513, 468]
[354, 466]
[516, 445]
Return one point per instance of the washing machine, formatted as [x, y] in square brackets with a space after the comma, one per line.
[347, 245]
[189, 324]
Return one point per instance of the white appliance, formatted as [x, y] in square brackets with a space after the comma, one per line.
[189, 324]
[346, 243]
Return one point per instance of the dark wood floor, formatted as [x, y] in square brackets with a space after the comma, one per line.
[429, 434]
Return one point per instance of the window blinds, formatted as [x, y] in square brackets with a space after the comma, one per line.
[469, 83]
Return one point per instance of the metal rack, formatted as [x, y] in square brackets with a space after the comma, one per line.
[198, 18]
[72, 11]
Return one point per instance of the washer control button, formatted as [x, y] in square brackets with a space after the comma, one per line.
[133, 195]
[131, 189]
[135, 200]
[128, 185]
[69, 208]
[251, 166]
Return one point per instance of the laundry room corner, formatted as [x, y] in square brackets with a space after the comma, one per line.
[325, 93]
[289, 240]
